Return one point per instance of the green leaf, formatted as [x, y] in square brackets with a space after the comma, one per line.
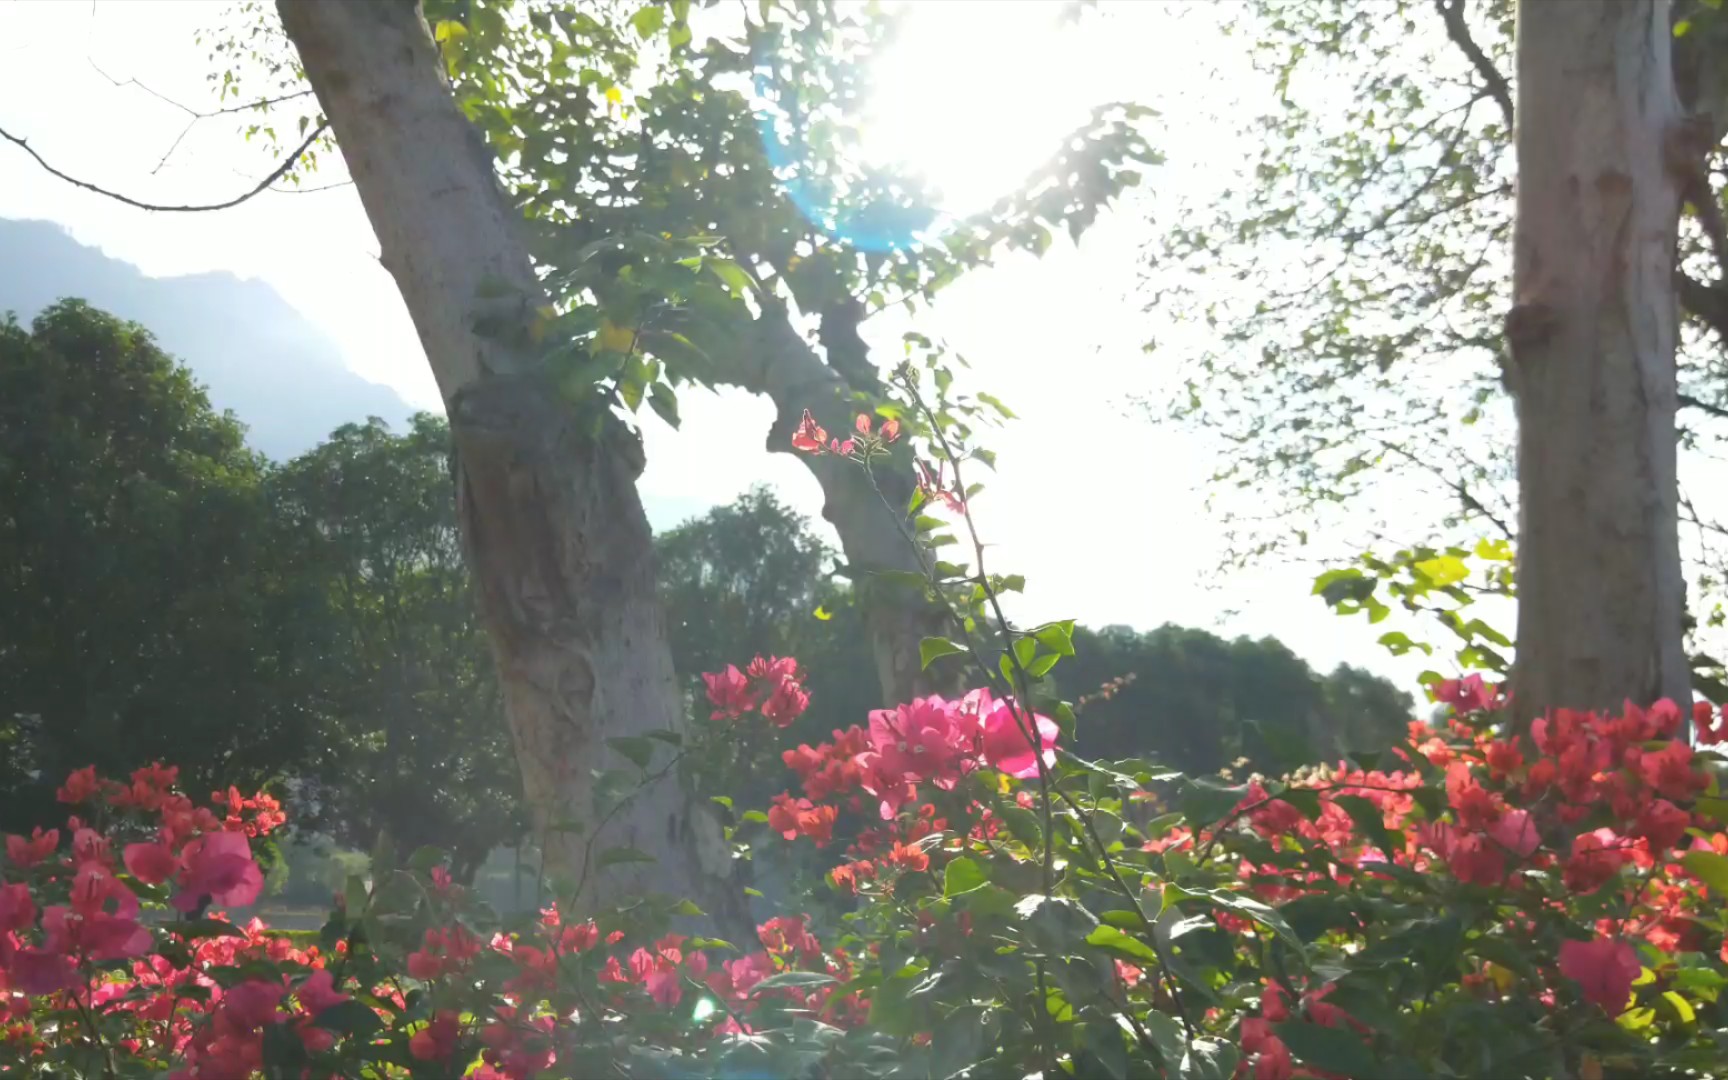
[1334, 1050]
[664, 402]
[648, 20]
[194, 929]
[757, 816]
[349, 1018]
[1710, 868]
[794, 978]
[1208, 1059]
[638, 749]
[1024, 825]
[686, 907]
[732, 275]
[962, 876]
[1042, 665]
[618, 856]
[1024, 650]
[1167, 1036]
[1205, 802]
[1058, 637]
[933, 648]
[1105, 1042]
[1108, 937]
[425, 858]
[1444, 570]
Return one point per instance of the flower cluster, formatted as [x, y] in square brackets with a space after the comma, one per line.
[770, 686]
[811, 438]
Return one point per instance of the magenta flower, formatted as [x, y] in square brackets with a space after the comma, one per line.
[1006, 746]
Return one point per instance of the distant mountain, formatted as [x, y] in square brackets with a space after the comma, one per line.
[260, 358]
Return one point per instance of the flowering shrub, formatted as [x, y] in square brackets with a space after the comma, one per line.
[1477, 904]
[1479, 901]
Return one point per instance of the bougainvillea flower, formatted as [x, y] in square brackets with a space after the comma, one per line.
[728, 692]
[1006, 746]
[925, 740]
[24, 853]
[810, 436]
[1604, 970]
[1516, 832]
[786, 704]
[150, 863]
[218, 865]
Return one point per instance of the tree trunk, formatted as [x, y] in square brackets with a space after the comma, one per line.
[551, 520]
[1592, 338]
[782, 366]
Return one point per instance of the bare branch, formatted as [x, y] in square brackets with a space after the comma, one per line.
[1452, 11]
[275, 174]
[1687, 401]
[195, 114]
[1705, 302]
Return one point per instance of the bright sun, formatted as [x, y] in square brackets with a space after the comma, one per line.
[973, 97]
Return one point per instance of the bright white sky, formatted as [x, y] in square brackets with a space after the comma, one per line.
[1097, 503]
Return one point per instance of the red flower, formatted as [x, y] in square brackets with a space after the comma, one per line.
[218, 865]
[729, 692]
[1604, 970]
[1503, 757]
[1516, 832]
[17, 910]
[150, 863]
[80, 787]
[786, 704]
[1596, 857]
[1662, 824]
[1669, 770]
[24, 853]
[809, 437]
[437, 1040]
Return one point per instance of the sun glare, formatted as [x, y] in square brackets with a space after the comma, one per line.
[973, 97]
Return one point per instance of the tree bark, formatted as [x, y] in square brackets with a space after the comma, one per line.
[551, 520]
[1592, 337]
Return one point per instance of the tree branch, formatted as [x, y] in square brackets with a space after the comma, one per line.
[1452, 12]
[195, 114]
[1707, 303]
[1687, 401]
[276, 174]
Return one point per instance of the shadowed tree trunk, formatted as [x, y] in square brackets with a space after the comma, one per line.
[1592, 337]
[551, 520]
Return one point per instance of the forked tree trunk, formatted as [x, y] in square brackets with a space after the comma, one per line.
[551, 519]
[782, 366]
[1592, 335]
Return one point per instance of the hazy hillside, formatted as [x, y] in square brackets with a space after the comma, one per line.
[258, 356]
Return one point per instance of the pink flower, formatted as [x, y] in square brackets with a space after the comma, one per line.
[924, 740]
[24, 853]
[437, 1040]
[1516, 832]
[1604, 970]
[17, 910]
[1467, 695]
[42, 971]
[809, 437]
[319, 992]
[785, 704]
[92, 928]
[150, 863]
[218, 865]
[729, 692]
[1005, 743]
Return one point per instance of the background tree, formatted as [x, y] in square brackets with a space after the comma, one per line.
[148, 613]
[1382, 366]
[413, 740]
[1201, 703]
